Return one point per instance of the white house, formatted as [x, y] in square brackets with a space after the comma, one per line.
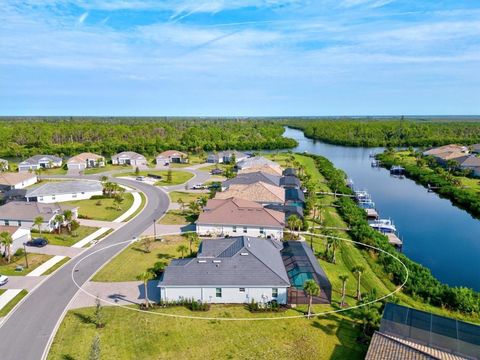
[85, 160]
[171, 156]
[229, 271]
[60, 191]
[129, 158]
[234, 217]
[10, 181]
[226, 157]
[20, 213]
[40, 162]
[19, 235]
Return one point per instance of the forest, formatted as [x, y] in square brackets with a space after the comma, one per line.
[23, 137]
[392, 132]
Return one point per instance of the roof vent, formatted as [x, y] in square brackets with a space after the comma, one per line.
[217, 261]
[202, 261]
[244, 253]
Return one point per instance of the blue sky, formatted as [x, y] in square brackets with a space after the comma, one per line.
[239, 57]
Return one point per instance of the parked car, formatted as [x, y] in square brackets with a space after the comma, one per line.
[166, 164]
[37, 242]
[3, 280]
[140, 178]
[216, 172]
[198, 187]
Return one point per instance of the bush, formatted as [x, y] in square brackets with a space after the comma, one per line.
[271, 306]
[191, 304]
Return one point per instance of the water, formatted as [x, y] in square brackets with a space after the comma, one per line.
[436, 234]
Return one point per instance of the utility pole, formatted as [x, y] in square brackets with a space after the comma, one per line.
[25, 253]
[154, 229]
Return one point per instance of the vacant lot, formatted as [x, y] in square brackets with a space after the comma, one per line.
[34, 261]
[102, 209]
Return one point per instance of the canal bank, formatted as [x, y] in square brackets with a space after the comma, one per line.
[436, 234]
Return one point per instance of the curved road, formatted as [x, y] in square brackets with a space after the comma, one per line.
[26, 333]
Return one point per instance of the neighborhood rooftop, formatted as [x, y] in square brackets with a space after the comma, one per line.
[37, 158]
[236, 261]
[19, 210]
[259, 191]
[64, 187]
[83, 157]
[14, 178]
[253, 177]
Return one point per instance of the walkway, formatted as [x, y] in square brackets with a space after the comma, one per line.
[100, 223]
[22, 282]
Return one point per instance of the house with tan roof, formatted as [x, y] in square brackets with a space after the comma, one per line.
[171, 156]
[445, 153]
[260, 192]
[234, 217]
[10, 181]
[129, 158]
[259, 163]
[85, 160]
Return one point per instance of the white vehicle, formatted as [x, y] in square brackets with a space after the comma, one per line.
[3, 280]
[198, 187]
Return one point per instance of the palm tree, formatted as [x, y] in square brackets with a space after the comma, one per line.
[358, 270]
[293, 222]
[145, 277]
[335, 242]
[192, 238]
[182, 249]
[181, 203]
[312, 289]
[74, 225]
[117, 201]
[7, 241]
[38, 221]
[59, 220]
[68, 216]
[344, 279]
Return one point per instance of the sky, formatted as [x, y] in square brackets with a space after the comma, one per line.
[239, 57]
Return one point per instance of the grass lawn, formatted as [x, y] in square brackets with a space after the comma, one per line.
[66, 239]
[88, 209]
[176, 217]
[34, 261]
[134, 260]
[54, 171]
[11, 304]
[214, 166]
[132, 335]
[185, 196]
[108, 167]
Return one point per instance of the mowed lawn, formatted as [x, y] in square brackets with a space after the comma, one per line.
[66, 239]
[101, 209]
[134, 260]
[108, 167]
[186, 196]
[34, 261]
[177, 217]
[132, 335]
[178, 176]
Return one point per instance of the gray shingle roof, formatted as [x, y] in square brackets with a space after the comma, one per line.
[238, 261]
[253, 177]
[36, 158]
[64, 187]
[129, 155]
[19, 210]
[255, 162]
[290, 181]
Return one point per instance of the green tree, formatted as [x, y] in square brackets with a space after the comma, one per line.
[137, 171]
[169, 176]
[145, 277]
[59, 222]
[74, 226]
[358, 270]
[68, 217]
[181, 203]
[117, 201]
[7, 241]
[98, 314]
[38, 221]
[344, 279]
[95, 350]
[182, 249]
[312, 289]
[192, 238]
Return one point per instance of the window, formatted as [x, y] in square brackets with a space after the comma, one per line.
[218, 292]
[245, 229]
[262, 230]
[40, 198]
[241, 289]
[274, 292]
[53, 197]
[74, 196]
[234, 228]
[19, 223]
[7, 223]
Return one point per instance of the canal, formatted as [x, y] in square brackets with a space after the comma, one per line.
[436, 234]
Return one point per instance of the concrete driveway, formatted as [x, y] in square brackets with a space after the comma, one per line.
[22, 282]
[55, 250]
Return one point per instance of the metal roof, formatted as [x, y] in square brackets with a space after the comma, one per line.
[64, 187]
[37, 158]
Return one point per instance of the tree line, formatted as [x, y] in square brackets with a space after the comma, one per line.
[355, 132]
[20, 138]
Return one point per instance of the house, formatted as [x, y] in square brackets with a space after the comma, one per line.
[19, 234]
[444, 154]
[226, 157]
[10, 181]
[288, 210]
[60, 191]
[407, 333]
[129, 158]
[251, 178]
[232, 270]
[294, 197]
[475, 149]
[290, 181]
[19, 213]
[171, 156]
[258, 163]
[85, 160]
[37, 162]
[259, 192]
[470, 163]
[231, 217]
[289, 172]
[3, 165]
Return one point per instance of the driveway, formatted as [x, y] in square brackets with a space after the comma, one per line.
[100, 224]
[55, 250]
[168, 229]
[22, 282]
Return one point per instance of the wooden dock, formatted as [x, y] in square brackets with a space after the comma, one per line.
[394, 239]
[371, 213]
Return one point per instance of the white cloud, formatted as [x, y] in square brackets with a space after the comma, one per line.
[82, 18]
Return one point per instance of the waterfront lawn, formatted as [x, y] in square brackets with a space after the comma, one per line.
[177, 217]
[66, 239]
[34, 261]
[185, 196]
[11, 304]
[101, 209]
[129, 334]
[134, 260]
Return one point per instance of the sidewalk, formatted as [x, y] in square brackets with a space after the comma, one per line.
[100, 223]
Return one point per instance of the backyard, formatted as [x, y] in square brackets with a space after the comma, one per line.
[102, 209]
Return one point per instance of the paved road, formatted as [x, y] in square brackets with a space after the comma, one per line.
[25, 334]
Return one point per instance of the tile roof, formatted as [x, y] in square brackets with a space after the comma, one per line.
[129, 155]
[384, 347]
[238, 261]
[273, 170]
[11, 179]
[64, 187]
[172, 153]
[235, 211]
[445, 149]
[83, 157]
[251, 178]
[260, 192]
[20, 210]
[256, 161]
[36, 159]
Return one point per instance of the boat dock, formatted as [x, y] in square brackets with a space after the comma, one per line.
[371, 213]
[394, 240]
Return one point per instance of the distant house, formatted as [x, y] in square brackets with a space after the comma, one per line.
[226, 157]
[60, 191]
[475, 149]
[85, 160]
[232, 217]
[171, 156]
[470, 163]
[407, 333]
[3, 165]
[259, 192]
[19, 213]
[129, 158]
[39, 162]
[444, 154]
[232, 270]
[19, 235]
[288, 210]
[289, 172]
[258, 163]
[251, 178]
[10, 181]
[290, 181]
[294, 197]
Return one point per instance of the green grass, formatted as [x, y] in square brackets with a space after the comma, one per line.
[34, 261]
[134, 260]
[185, 196]
[54, 171]
[2, 291]
[132, 335]
[11, 304]
[214, 166]
[66, 239]
[108, 167]
[88, 209]
[176, 217]
[56, 266]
